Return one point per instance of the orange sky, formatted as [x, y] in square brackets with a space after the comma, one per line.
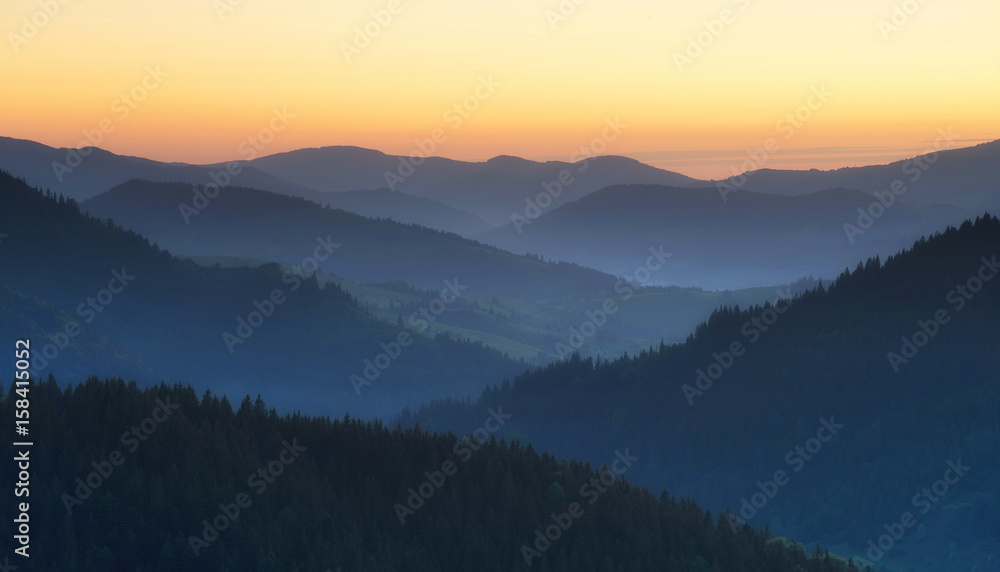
[697, 84]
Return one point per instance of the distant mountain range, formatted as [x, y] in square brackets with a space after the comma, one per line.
[601, 212]
[965, 177]
[98, 170]
[750, 239]
[492, 190]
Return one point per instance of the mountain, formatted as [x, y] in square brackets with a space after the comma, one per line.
[401, 207]
[519, 305]
[215, 486]
[492, 190]
[239, 328]
[83, 173]
[257, 224]
[965, 177]
[747, 240]
[84, 352]
[830, 416]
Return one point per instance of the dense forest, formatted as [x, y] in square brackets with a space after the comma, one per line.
[901, 354]
[125, 478]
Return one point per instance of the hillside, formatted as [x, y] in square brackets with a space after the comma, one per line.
[257, 224]
[901, 355]
[239, 328]
[323, 495]
[401, 207]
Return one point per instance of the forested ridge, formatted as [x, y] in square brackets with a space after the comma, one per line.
[331, 504]
[830, 353]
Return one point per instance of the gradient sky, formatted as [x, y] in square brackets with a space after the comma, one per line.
[559, 81]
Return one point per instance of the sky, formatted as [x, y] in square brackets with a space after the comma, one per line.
[695, 87]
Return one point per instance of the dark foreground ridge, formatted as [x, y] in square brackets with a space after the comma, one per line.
[156, 479]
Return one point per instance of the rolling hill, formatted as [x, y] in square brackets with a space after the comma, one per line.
[752, 239]
[184, 321]
[257, 224]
